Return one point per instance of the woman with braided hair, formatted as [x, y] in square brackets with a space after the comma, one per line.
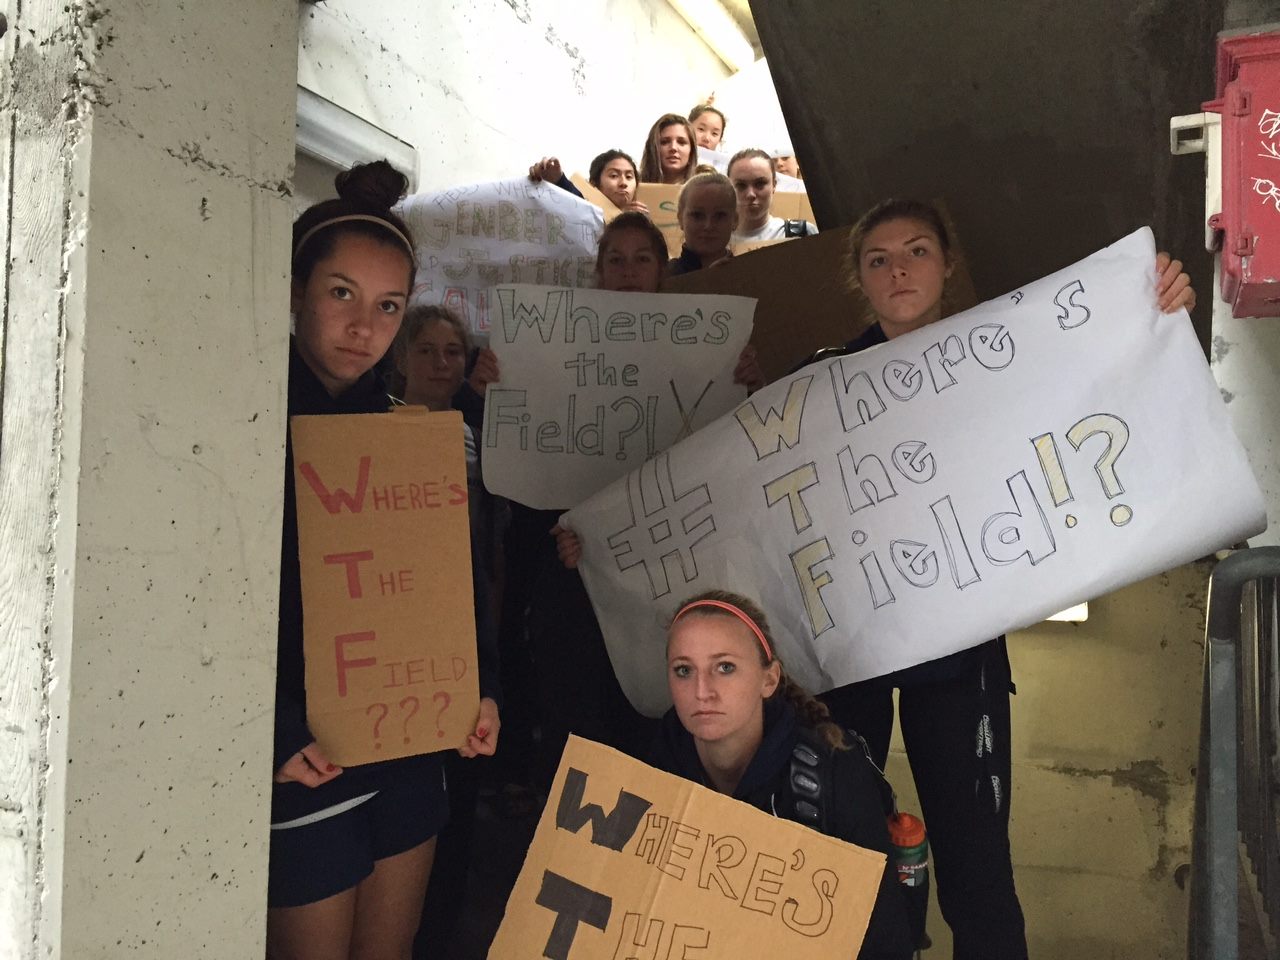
[737, 722]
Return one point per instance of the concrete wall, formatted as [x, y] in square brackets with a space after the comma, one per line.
[141, 448]
[485, 88]
[1105, 734]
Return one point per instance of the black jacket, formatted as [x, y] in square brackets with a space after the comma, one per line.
[687, 262]
[855, 811]
[291, 800]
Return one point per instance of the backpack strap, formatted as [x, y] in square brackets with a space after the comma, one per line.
[809, 780]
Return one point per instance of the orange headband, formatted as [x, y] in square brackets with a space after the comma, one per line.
[737, 612]
[369, 218]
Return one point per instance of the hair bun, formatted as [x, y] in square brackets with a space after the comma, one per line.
[378, 185]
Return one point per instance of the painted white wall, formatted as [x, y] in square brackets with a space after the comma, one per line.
[143, 432]
[750, 104]
[483, 88]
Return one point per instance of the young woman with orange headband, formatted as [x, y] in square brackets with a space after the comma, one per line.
[736, 724]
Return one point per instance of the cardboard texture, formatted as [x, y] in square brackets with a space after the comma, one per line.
[593, 195]
[804, 301]
[792, 206]
[804, 298]
[389, 631]
[628, 861]
[662, 200]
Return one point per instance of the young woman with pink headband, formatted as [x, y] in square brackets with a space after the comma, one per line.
[738, 722]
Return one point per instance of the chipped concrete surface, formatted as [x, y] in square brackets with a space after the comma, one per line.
[1105, 727]
[417, 69]
[148, 285]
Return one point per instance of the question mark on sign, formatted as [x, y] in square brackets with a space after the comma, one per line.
[377, 744]
[626, 432]
[441, 695]
[1073, 314]
[1117, 433]
[412, 714]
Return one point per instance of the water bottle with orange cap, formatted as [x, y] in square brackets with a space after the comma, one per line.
[910, 852]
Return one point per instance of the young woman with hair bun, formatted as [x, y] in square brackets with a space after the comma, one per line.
[351, 848]
[736, 724]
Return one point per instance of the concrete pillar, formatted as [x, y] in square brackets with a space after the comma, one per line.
[147, 151]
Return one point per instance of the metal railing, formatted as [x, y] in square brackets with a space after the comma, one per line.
[1236, 808]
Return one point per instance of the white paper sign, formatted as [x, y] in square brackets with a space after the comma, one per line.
[473, 237]
[973, 477]
[594, 383]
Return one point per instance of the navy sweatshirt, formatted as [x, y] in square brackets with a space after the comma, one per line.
[855, 811]
[307, 395]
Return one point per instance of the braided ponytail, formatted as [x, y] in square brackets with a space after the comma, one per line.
[812, 712]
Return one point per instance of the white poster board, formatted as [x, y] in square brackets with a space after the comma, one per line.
[594, 383]
[473, 237]
[973, 477]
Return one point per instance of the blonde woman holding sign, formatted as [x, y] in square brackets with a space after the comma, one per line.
[350, 848]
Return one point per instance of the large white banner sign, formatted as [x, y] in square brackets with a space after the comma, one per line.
[473, 237]
[970, 478]
[594, 383]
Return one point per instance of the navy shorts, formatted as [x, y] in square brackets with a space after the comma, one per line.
[320, 859]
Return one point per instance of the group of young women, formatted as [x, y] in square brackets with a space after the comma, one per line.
[714, 211]
[352, 849]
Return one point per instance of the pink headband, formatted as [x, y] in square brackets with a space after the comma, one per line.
[390, 227]
[737, 612]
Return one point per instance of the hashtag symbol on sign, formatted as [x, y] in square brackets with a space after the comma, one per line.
[665, 526]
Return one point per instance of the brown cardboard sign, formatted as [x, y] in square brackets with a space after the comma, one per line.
[631, 862]
[804, 299]
[593, 195]
[660, 198]
[791, 206]
[389, 631]
[803, 304]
